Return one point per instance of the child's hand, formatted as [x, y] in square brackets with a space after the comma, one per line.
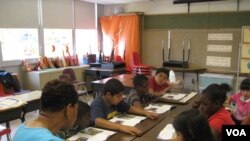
[151, 115]
[130, 130]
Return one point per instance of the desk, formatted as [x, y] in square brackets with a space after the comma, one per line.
[196, 70]
[126, 79]
[152, 134]
[33, 103]
[98, 73]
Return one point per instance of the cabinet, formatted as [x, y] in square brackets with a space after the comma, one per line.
[36, 80]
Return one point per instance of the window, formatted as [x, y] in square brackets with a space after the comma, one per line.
[86, 43]
[56, 42]
[19, 44]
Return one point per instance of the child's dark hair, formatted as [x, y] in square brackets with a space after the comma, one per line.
[83, 109]
[193, 126]
[113, 86]
[57, 94]
[217, 92]
[159, 70]
[245, 84]
[139, 80]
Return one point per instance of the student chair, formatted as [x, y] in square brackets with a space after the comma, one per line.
[138, 67]
[69, 76]
[5, 131]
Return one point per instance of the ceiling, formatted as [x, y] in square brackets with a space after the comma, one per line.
[115, 1]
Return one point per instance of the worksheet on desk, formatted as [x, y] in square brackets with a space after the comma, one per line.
[168, 132]
[158, 108]
[173, 96]
[92, 134]
[8, 102]
[127, 119]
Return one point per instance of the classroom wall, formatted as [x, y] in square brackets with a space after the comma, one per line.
[167, 7]
[161, 16]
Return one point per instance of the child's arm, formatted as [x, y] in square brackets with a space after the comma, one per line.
[101, 122]
[152, 92]
[246, 121]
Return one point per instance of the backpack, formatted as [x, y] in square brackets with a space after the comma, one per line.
[10, 84]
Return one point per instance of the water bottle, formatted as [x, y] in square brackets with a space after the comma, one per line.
[172, 76]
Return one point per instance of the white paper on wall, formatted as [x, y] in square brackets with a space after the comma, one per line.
[219, 48]
[218, 61]
[220, 36]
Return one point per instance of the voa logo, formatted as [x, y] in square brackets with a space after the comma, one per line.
[236, 132]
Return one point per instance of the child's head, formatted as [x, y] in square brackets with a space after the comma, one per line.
[83, 116]
[161, 76]
[58, 96]
[113, 91]
[141, 84]
[191, 125]
[213, 98]
[245, 88]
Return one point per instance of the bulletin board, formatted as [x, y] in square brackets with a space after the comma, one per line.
[245, 50]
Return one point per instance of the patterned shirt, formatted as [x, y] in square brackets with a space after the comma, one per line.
[133, 96]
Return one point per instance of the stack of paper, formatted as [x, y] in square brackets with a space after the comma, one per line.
[167, 133]
[173, 96]
[158, 108]
[8, 103]
[126, 119]
[92, 134]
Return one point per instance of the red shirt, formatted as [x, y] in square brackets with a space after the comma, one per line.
[221, 117]
[156, 88]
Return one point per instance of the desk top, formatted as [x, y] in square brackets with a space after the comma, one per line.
[18, 100]
[30, 96]
[152, 134]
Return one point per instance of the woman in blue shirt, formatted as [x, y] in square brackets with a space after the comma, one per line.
[58, 111]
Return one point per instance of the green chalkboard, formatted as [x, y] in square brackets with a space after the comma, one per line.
[197, 20]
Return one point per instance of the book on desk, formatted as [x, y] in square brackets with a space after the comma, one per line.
[92, 134]
[177, 98]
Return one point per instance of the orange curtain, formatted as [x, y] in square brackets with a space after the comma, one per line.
[124, 28]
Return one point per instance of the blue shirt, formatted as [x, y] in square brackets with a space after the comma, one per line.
[25, 133]
[100, 110]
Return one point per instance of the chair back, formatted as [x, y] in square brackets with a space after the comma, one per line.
[66, 78]
[70, 72]
[118, 58]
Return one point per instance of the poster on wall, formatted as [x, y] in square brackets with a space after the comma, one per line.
[245, 52]
[246, 35]
[245, 66]
[218, 61]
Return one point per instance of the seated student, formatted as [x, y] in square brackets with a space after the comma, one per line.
[242, 101]
[159, 84]
[82, 121]
[139, 95]
[211, 104]
[191, 125]
[110, 103]
[58, 111]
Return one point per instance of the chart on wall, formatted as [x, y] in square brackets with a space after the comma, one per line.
[245, 50]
